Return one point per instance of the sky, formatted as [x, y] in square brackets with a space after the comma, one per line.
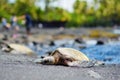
[65, 4]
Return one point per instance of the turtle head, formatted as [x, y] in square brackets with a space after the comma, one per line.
[6, 48]
[48, 60]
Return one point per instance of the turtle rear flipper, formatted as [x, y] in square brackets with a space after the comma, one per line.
[91, 63]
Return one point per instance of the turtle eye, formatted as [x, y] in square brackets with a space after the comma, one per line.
[46, 61]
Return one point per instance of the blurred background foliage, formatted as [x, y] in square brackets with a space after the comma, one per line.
[100, 13]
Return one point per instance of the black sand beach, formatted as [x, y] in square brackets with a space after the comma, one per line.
[22, 67]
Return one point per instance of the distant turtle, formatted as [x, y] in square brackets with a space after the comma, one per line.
[16, 48]
[64, 56]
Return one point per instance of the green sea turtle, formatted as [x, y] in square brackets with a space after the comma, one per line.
[64, 56]
[16, 48]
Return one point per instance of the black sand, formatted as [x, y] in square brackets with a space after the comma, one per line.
[21, 67]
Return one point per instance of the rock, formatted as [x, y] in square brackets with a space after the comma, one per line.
[100, 42]
[78, 40]
[52, 43]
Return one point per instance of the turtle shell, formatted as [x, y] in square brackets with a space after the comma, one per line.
[71, 53]
[21, 49]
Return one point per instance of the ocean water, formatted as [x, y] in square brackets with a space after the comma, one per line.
[109, 53]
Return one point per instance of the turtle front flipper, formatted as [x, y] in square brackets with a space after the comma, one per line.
[39, 61]
[46, 60]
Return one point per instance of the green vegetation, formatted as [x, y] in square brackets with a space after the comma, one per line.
[102, 34]
[101, 12]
